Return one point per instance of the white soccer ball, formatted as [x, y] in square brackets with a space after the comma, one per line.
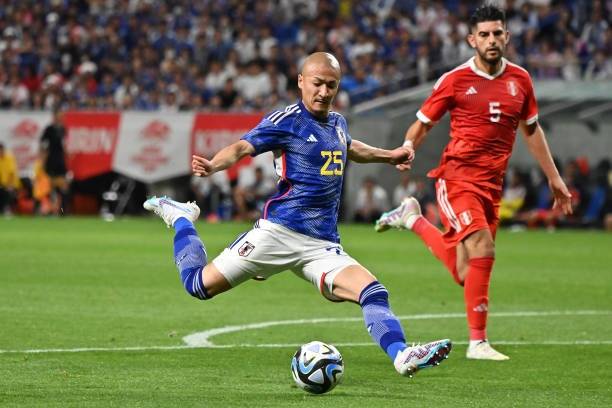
[317, 367]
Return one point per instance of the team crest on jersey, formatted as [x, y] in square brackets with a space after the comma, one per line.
[466, 217]
[341, 135]
[512, 88]
[246, 248]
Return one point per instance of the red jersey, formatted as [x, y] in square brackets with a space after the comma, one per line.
[485, 111]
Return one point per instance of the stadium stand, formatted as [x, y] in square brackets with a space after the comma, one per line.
[179, 55]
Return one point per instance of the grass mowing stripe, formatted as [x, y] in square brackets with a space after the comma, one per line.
[287, 345]
[202, 339]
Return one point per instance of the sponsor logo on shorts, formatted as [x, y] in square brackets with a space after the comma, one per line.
[334, 248]
[246, 248]
[466, 217]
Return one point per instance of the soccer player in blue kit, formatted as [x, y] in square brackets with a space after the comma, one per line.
[298, 229]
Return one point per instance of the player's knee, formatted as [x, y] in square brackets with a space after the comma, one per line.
[480, 245]
[193, 283]
[351, 282]
[486, 248]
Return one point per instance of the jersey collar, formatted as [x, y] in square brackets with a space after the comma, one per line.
[309, 115]
[483, 74]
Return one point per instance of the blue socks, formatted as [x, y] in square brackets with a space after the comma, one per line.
[190, 258]
[380, 321]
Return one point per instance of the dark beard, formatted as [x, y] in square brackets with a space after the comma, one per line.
[491, 61]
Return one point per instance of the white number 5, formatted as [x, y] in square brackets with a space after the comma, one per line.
[494, 111]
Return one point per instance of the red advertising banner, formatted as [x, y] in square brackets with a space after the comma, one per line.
[91, 139]
[147, 146]
[211, 133]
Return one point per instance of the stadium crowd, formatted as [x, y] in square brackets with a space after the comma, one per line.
[239, 55]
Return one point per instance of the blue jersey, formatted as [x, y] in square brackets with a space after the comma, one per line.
[310, 158]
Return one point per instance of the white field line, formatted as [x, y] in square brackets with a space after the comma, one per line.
[202, 339]
[291, 345]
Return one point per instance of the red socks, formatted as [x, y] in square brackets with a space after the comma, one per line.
[432, 237]
[476, 285]
[476, 293]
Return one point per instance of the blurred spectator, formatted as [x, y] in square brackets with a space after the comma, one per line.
[244, 44]
[361, 85]
[551, 218]
[52, 145]
[570, 70]
[426, 15]
[455, 48]
[267, 44]
[46, 202]
[216, 77]
[250, 196]
[14, 94]
[77, 54]
[406, 188]
[253, 83]
[211, 194]
[126, 93]
[278, 80]
[546, 61]
[227, 95]
[9, 180]
[372, 201]
[594, 31]
[513, 197]
[600, 195]
[599, 68]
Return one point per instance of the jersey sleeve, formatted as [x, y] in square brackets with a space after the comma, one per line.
[347, 136]
[530, 107]
[267, 136]
[440, 100]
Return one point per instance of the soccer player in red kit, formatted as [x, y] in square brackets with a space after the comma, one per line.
[488, 98]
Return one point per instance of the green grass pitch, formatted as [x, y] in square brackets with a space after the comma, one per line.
[111, 290]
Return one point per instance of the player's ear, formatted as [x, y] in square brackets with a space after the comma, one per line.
[471, 40]
[300, 80]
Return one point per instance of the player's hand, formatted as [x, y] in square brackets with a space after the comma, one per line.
[201, 167]
[402, 157]
[562, 196]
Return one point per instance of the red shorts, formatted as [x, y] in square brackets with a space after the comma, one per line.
[466, 208]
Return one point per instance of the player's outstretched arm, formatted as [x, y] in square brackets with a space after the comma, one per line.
[222, 160]
[363, 153]
[414, 137]
[536, 143]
